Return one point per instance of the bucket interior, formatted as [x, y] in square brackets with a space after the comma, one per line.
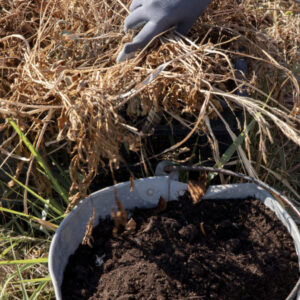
[145, 194]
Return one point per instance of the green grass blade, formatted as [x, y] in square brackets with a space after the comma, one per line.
[231, 149]
[61, 191]
[23, 288]
[38, 211]
[38, 290]
[15, 225]
[236, 143]
[24, 238]
[54, 205]
[22, 268]
[41, 260]
[8, 249]
[24, 292]
[63, 174]
[58, 218]
[34, 280]
[15, 212]
[42, 222]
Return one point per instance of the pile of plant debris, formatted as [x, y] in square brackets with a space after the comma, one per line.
[61, 85]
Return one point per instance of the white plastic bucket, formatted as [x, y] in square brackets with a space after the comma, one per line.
[146, 194]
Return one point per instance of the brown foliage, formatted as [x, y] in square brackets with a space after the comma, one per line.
[60, 55]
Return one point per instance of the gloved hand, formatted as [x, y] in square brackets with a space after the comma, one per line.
[158, 16]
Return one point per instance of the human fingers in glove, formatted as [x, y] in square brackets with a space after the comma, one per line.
[158, 16]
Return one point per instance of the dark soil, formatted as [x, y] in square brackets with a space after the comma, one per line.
[221, 249]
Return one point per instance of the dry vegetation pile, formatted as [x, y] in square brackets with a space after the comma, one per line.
[60, 83]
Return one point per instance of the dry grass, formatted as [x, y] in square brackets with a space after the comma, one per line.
[23, 247]
[60, 83]
[59, 80]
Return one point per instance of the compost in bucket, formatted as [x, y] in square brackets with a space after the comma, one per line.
[215, 249]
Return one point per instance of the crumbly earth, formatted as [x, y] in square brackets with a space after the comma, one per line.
[224, 249]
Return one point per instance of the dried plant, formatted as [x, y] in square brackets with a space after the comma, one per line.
[161, 205]
[120, 217]
[197, 188]
[88, 238]
[60, 83]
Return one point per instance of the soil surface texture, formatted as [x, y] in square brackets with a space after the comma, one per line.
[223, 249]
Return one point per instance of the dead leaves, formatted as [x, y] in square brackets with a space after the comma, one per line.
[73, 201]
[197, 188]
[62, 120]
[161, 205]
[130, 226]
[203, 229]
[120, 217]
[88, 238]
